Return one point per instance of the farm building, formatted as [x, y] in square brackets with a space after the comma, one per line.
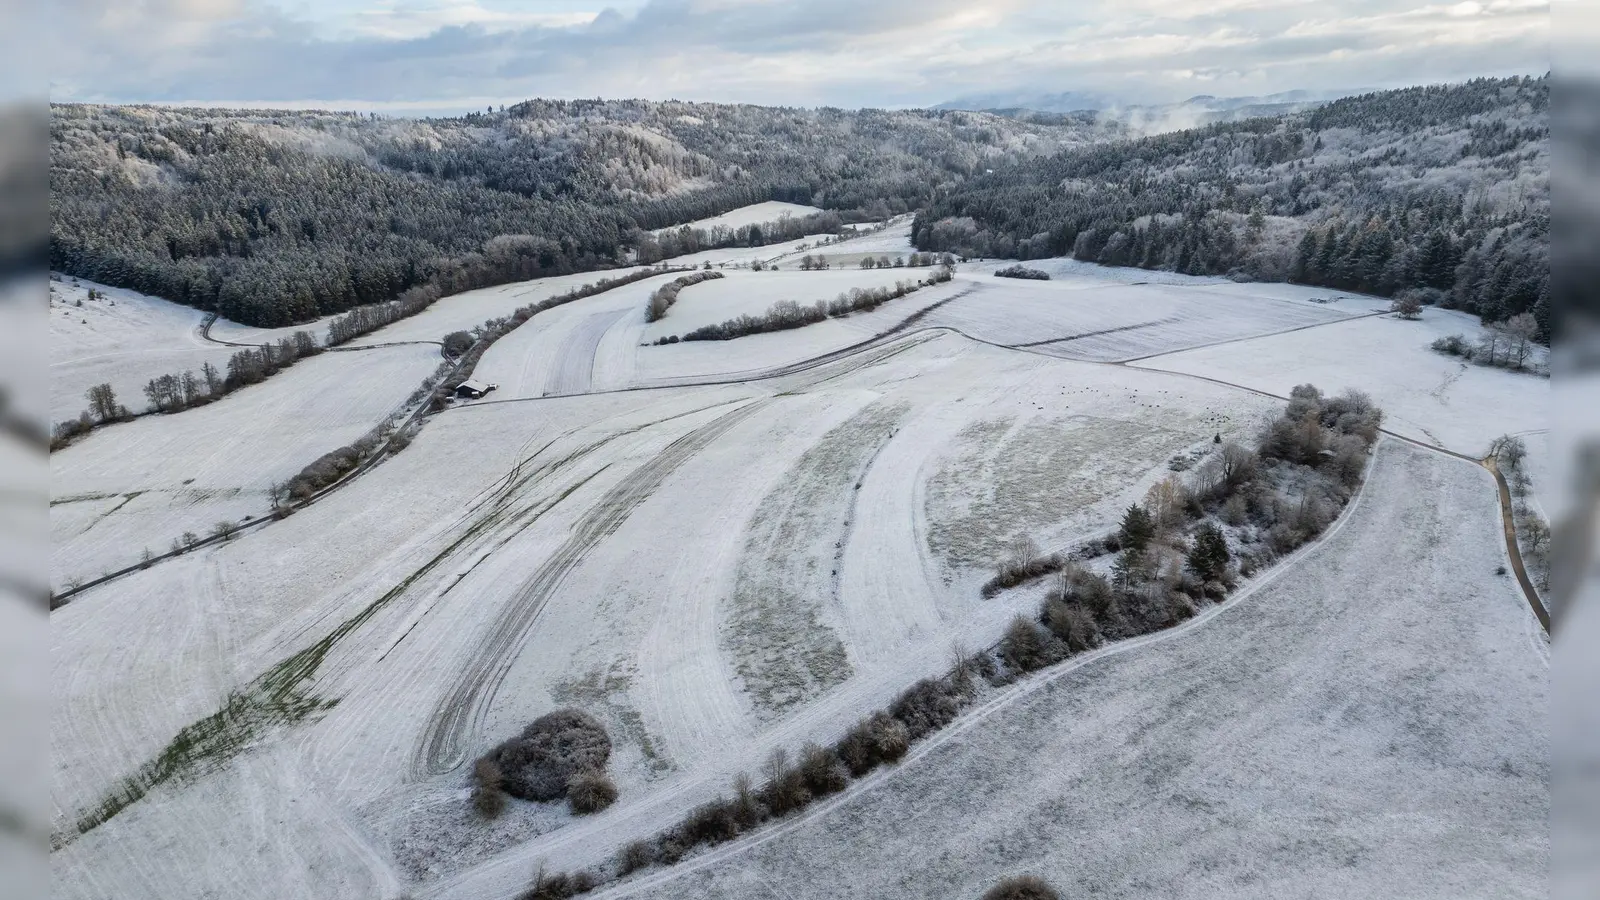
[472, 390]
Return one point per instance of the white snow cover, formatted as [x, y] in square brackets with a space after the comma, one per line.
[139, 485]
[754, 214]
[716, 570]
[123, 340]
[1424, 394]
[743, 292]
[466, 311]
[1360, 730]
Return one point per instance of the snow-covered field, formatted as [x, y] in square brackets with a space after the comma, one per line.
[1354, 730]
[140, 485]
[755, 214]
[1425, 395]
[718, 569]
[123, 340]
[743, 292]
[1081, 318]
[464, 312]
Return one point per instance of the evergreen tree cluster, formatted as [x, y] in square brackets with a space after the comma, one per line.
[1442, 188]
[273, 218]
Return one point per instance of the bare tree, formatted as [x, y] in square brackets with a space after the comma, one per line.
[1519, 331]
[212, 378]
[102, 402]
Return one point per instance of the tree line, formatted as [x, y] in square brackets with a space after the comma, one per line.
[277, 218]
[1441, 188]
[789, 314]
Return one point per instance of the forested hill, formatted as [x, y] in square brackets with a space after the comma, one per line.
[1444, 190]
[278, 217]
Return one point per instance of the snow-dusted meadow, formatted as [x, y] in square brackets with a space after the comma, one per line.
[754, 214]
[123, 340]
[719, 548]
[1369, 722]
[140, 485]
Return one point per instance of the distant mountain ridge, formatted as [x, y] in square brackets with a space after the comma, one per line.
[1202, 109]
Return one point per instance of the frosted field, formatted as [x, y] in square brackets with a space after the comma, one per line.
[743, 292]
[1426, 395]
[1346, 730]
[755, 214]
[719, 548]
[125, 340]
[141, 484]
[1090, 320]
[464, 312]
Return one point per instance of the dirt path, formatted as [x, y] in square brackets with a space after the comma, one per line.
[1513, 548]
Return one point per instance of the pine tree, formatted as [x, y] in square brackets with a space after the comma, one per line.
[1209, 556]
[1137, 529]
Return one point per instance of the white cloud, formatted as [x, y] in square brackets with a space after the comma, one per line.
[410, 20]
[438, 53]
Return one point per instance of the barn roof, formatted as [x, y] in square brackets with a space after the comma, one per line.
[475, 386]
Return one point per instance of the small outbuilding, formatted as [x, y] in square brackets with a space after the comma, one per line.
[472, 390]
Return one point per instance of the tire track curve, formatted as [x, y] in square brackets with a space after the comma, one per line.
[461, 710]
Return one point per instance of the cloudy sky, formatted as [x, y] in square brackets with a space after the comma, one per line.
[449, 55]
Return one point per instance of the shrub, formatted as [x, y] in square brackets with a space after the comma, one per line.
[1455, 345]
[747, 809]
[1025, 647]
[488, 795]
[877, 739]
[822, 771]
[457, 343]
[785, 790]
[634, 856]
[1070, 624]
[538, 763]
[711, 823]
[559, 885]
[666, 295]
[787, 314]
[926, 706]
[1022, 887]
[1021, 271]
[590, 792]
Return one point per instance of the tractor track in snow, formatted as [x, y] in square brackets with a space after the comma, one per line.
[966, 721]
[461, 710]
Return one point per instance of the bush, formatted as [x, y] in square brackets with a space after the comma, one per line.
[822, 771]
[1454, 345]
[1022, 887]
[926, 707]
[590, 792]
[634, 856]
[1025, 647]
[559, 885]
[457, 343]
[711, 823]
[785, 790]
[538, 763]
[877, 739]
[488, 795]
[666, 295]
[1021, 271]
[1070, 624]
